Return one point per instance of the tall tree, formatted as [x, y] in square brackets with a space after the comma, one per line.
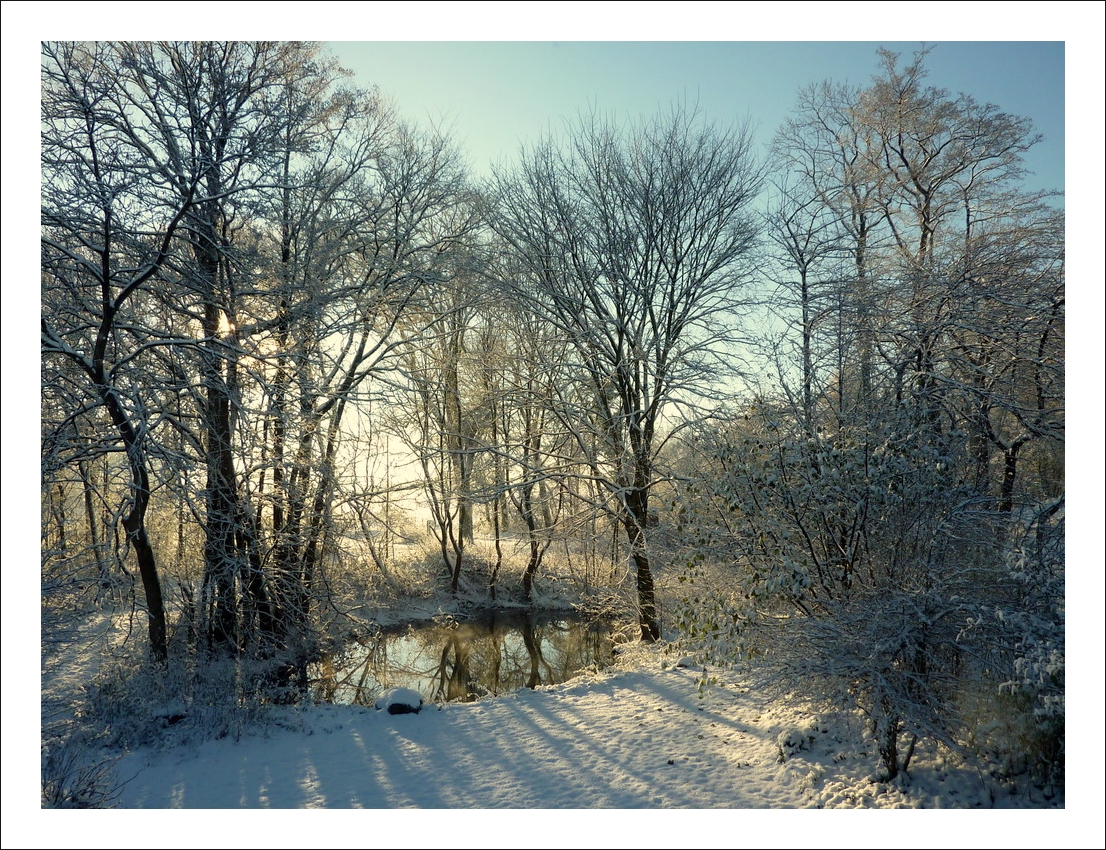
[829, 190]
[863, 534]
[212, 112]
[109, 221]
[200, 128]
[287, 225]
[368, 234]
[436, 422]
[635, 243]
[915, 194]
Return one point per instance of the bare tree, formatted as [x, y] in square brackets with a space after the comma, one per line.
[809, 247]
[432, 417]
[858, 526]
[521, 362]
[196, 128]
[108, 232]
[288, 225]
[635, 244]
[365, 242]
[831, 185]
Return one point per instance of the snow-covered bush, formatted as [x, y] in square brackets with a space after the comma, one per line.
[76, 777]
[791, 740]
[1022, 635]
[847, 564]
[132, 702]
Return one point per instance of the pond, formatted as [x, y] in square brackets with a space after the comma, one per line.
[465, 660]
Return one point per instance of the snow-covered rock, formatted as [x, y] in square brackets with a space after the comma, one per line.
[399, 701]
[791, 740]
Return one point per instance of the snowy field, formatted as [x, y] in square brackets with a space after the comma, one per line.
[645, 736]
[631, 740]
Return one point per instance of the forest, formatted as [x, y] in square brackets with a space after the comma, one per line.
[802, 412]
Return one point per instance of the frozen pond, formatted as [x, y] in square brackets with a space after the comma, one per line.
[456, 660]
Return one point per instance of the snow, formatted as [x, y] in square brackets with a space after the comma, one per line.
[621, 748]
[399, 701]
[647, 738]
[650, 734]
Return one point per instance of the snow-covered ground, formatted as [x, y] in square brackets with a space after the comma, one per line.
[630, 740]
[626, 749]
[644, 736]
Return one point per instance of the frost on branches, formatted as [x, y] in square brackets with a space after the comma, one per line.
[855, 569]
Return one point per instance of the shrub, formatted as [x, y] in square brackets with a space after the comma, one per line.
[73, 778]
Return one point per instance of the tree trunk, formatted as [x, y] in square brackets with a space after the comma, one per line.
[221, 557]
[526, 510]
[134, 523]
[636, 518]
[886, 726]
[151, 585]
[1009, 476]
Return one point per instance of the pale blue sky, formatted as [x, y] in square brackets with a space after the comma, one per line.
[497, 94]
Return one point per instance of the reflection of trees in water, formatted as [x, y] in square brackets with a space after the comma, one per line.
[533, 649]
[464, 661]
[485, 658]
[355, 675]
[452, 675]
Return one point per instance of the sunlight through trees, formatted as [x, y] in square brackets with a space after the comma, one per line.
[805, 414]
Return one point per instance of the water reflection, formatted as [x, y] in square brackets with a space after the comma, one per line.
[465, 660]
